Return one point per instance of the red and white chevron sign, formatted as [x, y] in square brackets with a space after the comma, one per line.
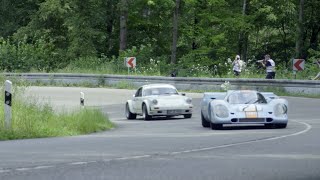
[131, 62]
[298, 64]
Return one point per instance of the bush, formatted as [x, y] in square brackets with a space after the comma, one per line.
[24, 57]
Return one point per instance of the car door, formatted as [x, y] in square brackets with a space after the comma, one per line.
[137, 101]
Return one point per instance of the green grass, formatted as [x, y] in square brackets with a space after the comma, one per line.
[32, 120]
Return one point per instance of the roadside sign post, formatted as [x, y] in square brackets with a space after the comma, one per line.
[130, 62]
[297, 65]
[7, 104]
[295, 74]
[81, 99]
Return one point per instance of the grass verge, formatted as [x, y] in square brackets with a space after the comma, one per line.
[32, 120]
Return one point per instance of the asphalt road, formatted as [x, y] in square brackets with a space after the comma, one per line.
[166, 149]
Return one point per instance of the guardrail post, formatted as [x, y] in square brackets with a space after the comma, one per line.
[82, 99]
[7, 104]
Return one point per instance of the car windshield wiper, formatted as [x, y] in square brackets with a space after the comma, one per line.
[252, 100]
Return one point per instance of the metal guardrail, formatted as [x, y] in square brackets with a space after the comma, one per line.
[182, 83]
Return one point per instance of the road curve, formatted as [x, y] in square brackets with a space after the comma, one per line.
[166, 149]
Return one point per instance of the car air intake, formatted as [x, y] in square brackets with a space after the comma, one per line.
[269, 119]
[251, 120]
[234, 120]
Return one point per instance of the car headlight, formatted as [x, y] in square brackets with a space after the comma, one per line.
[221, 111]
[189, 100]
[154, 101]
[280, 109]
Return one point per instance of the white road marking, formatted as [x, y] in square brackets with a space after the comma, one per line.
[308, 127]
[284, 156]
[23, 169]
[133, 157]
[78, 163]
[4, 171]
[43, 167]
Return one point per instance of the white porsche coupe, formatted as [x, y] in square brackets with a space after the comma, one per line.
[158, 100]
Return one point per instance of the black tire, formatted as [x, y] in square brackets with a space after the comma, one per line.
[216, 126]
[280, 126]
[204, 122]
[145, 114]
[130, 115]
[269, 126]
[187, 115]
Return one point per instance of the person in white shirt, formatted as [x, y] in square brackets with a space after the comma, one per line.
[236, 66]
[270, 66]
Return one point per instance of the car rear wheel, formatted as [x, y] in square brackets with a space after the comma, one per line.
[216, 126]
[205, 123]
[130, 115]
[145, 114]
[187, 115]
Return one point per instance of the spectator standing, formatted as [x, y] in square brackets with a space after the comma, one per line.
[270, 66]
[236, 66]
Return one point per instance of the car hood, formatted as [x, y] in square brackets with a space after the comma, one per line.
[170, 99]
[247, 107]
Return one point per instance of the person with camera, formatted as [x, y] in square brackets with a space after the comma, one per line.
[236, 66]
[270, 66]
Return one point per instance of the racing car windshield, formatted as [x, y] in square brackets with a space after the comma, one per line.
[160, 91]
[246, 97]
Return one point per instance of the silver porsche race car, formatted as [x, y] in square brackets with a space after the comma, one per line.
[243, 107]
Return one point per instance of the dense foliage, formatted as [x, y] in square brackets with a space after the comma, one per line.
[50, 35]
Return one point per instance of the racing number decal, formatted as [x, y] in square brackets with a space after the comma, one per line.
[251, 112]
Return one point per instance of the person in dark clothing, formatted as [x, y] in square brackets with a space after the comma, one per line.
[270, 66]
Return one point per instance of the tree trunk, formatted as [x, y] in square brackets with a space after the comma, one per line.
[314, 38]
[123, 24]
[299, 41]
[175, 33]
[110, 24]
[243, 36]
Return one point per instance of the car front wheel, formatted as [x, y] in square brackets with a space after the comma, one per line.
[216, 126]
[187, 115]
[280, 126]
[130, 115]
[145, 114]
[205, 123]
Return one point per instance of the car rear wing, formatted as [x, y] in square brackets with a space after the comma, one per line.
[214, 95]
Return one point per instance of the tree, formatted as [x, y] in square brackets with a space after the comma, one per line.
[243, 36]
[123, 24]
[175, 32]
[16, 14]
[300, 32]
